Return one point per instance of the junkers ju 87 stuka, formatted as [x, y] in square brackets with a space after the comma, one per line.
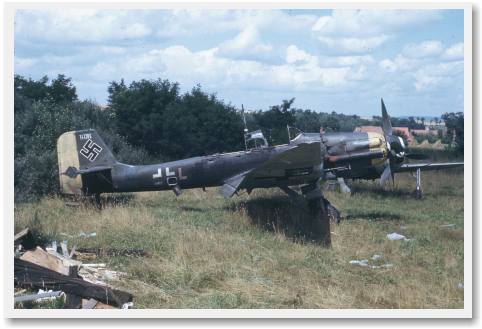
[88, 167]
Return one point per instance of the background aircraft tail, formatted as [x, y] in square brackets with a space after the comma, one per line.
[80, 153]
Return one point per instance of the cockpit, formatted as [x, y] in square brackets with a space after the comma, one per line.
[255, 140]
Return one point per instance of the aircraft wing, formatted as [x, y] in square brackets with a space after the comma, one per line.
[305, 155]
[298, 156]
[408, 167]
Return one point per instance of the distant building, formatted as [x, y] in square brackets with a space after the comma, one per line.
[425, 132]
[405, 131]
[368, 129]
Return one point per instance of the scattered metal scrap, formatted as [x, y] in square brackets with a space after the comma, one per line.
[40, 295]
[80, 285]
[103, 252]
[395, 236]
[365, 262]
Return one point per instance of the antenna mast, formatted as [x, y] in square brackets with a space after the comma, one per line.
[245, 128]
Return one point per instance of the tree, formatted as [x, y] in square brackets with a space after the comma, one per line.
[138, 110]
[274, 121]
[307, 121]
[455, 129]
[43, 112]
[60, 90]
[199, 124]
[331, 123]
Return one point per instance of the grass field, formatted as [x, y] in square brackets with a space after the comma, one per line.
[208, 252]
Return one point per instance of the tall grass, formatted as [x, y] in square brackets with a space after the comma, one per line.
[246, 252]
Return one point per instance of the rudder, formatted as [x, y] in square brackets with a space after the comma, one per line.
[79, 152]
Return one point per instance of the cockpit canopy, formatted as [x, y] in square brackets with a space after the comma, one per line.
[255, 140]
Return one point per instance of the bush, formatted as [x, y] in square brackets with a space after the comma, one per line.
[42, 114]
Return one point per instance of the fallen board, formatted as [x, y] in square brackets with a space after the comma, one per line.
[31, 275]
[55, 263]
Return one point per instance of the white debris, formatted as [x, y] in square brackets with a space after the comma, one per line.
[94, 265]
[96, 273]
[52, 247]
[395, 236]
[387, 265]
[447, 226]
[87, 235]
[41, 295]
[128, 305]
[375, 257]
[460, 286]
[49, 294]
[363, 262]
[80, 235]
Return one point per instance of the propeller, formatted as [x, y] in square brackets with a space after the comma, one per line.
[396, 148]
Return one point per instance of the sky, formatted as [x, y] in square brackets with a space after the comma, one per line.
[328, 60]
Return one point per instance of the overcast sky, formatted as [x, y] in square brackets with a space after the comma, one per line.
[341, 60]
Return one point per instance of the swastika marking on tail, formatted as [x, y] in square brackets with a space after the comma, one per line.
[90, 150]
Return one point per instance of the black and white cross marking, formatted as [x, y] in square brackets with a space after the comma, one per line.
[90, 150]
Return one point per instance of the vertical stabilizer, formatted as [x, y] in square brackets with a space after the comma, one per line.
[79, 152]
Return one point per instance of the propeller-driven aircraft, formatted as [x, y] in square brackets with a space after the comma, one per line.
[88, 167]
[372, 155]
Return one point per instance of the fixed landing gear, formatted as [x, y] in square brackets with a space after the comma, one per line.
[98, 201]
[418, 190]
[320, 210]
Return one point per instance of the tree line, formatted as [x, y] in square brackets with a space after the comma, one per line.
[148, 121]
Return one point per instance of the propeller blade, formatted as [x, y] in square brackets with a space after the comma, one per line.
[386, 124]
[387, 173]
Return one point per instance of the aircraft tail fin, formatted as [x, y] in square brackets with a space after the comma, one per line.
[79, 152]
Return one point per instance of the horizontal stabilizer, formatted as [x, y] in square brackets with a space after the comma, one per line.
[72, 172]
[232, 185]
[410, 167]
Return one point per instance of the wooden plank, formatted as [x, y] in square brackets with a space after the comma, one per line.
[21, 234]
[102, 306]
[52, 262]
[27, 274]
[89, 303]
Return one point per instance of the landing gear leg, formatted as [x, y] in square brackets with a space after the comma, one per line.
[333, 213]
[320, 209]
[418, 190]
[98, 201]
[343, 187]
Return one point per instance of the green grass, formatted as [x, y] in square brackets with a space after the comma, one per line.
[246, 252]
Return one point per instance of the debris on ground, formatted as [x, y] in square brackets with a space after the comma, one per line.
[80, 235]
[41, 295]
[387, 265]
[365, 262]
[395, 236]
[446, 226]
[460, 286]
[109, 252]
[57, 275]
